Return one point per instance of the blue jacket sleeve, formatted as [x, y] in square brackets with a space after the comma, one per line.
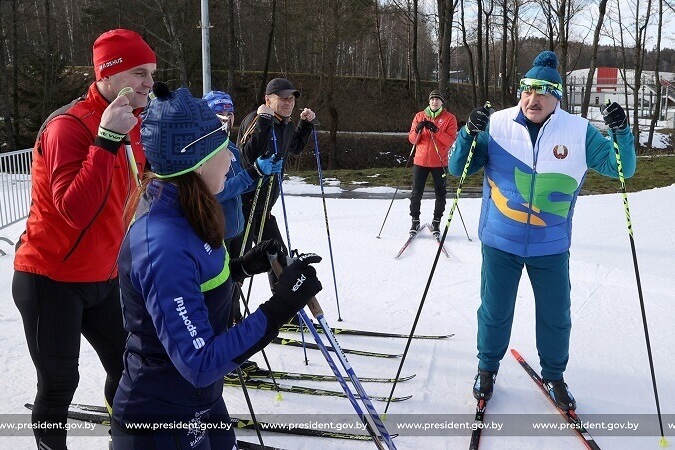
[460, 152]
[235, 186]
[600, 154]
[173, 298]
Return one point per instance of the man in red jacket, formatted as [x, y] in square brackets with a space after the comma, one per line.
[433, 131]
[65, 280]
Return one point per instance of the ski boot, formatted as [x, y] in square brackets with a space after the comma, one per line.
[414, 227]
[561, 395]
[436, 227]
[484, 385]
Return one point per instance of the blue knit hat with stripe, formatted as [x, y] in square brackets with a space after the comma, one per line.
[179, 132]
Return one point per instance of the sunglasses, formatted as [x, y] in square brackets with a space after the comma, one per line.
[539, 87]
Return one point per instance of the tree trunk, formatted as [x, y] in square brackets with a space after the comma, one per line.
[415, 66]
[380, 49]
[470, 54]
[640, 38]
[505, 82]
[49, 63]
[268, 56]
[480, 80]
[657, 78]
[232, 48]
[563, 33]
[602, 7]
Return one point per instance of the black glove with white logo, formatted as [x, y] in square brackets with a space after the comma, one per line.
[478, 120]
[255, 260]
[614, 116]
[297, 284]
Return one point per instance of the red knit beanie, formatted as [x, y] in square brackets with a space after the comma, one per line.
[118, 50]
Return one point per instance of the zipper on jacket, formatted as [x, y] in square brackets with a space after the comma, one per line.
[535, 155]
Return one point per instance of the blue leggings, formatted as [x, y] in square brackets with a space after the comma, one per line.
[549, 276]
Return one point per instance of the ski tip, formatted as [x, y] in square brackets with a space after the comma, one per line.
[401, 399]
[515, 353]
[663, 442]
[279, 397]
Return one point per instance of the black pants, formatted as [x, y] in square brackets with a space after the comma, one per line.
[420, 175]
[54, 315]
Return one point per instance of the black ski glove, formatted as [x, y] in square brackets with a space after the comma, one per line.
[431, 126]
[297, 284]
[255, 260]
[614, 116]
[420, 126]
[478, 120]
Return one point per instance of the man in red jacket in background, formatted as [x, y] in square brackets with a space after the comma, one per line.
[65, 280]
[433, 131]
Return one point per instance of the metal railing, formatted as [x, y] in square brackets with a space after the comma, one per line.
[15, 187]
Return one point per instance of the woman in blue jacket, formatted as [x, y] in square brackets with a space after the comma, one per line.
[175, 281]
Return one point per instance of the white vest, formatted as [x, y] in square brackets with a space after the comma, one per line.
[529, 191]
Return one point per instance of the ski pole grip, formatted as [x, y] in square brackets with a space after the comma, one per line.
[312, 303]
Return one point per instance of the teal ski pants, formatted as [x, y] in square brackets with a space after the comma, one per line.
[550, 279]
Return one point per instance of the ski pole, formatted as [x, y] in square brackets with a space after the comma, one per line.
[244, 389]
[617, 154]
[407, 164]
[131, 160]
[316, 310]
[325, 214]
[281, 189]
[283, 208]
[459, 211]
[433, 267]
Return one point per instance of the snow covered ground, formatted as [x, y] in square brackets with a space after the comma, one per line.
[608, 370]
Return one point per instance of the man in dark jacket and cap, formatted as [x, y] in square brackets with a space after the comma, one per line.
[270, 131]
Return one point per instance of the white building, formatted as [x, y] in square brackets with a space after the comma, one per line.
[613, 83]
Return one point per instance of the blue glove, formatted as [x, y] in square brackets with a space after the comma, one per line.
[266, 166]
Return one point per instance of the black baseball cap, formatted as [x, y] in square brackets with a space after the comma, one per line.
[282, 87]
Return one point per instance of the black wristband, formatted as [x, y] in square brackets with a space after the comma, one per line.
[111, 146]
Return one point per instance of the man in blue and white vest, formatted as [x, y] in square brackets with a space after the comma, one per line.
[535, 157]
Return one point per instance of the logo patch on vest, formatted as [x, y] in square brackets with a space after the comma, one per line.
[560, 151]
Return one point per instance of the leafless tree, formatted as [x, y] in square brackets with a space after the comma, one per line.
[657, 78]
[602, 7]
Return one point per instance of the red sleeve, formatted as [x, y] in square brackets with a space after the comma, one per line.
[446, 136]
[413, 135]
[80, 173]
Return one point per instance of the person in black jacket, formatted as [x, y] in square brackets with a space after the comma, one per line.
[264, 132]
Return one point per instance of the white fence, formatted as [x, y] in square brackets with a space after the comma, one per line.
[15, 186]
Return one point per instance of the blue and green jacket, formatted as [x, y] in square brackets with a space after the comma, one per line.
[176, 292]
[533, 175]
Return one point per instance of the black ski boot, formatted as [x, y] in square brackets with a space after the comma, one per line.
[436, 227]
[414, 227]
[484, 385]
[561, 395]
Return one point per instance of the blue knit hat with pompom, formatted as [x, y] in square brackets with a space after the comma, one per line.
[179, 132]
[545, 69]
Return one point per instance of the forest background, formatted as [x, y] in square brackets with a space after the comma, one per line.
[362, 65]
